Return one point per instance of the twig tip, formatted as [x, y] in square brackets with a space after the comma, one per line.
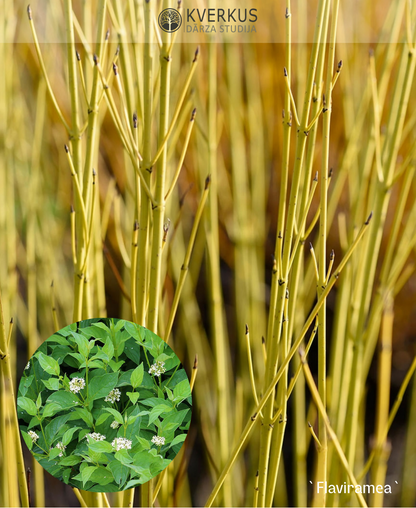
[196, 55]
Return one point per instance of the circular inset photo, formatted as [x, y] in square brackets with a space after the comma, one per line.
[104, 405]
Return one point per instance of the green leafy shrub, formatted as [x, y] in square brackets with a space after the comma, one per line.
[104, 405]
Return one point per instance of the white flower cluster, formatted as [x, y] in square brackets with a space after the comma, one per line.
[158, 440]
[121, 442]
[27, 366]
[115, 425]
[157, 368]
[76, 384]
[95, 436]
[113, 396]
[33, 436]
[62, 447]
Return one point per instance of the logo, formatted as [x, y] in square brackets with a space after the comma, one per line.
[170, 20]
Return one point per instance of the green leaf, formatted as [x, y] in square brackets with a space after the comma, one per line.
[51, 409]
[119, 323]
[51, 383]
[176, 378]
[164, 357]
[155, 401]
[100, 356]
[124, 379]
[182, 390]
[66, 474]
[121, 339]
[87, 472]
[66, 400]
[83, 433]
[94, 364]
[178, 439]
[157, 411]
[100, 446]
[145, 458]
[54, 453]
[53, 427]
[102, 476]
[25, 384]
[78, 357]
[131, 419]
[170, 393]
[58, 339]
[133, 483]
[133, 396]
[101, 386]
[67, 437]
[102, 418]
[77, 477]
[174, 419]
[49, 364]
[115, 366]
[82, 343]
[144, 442]
[133, 351]
[28, 439]
[99, 331]
[27, 405]
[117, 416]
[103, 326]
[71, 460]
[131, 328]
[123, 456]
[39, 401]
[108, 349]
[137, 376]
[120, 471]
[84, 414]
[34, 422]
